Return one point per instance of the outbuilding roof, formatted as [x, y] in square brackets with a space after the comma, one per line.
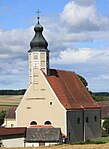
[104, 109]
[11, 113]
[12, 131]
[70, 90]
[43, 134]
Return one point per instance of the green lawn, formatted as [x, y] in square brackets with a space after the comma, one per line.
[103, 139]
[97, 141]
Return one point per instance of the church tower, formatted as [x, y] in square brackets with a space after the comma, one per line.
[38, 53]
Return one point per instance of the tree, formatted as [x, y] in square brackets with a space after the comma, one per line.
[2, 116]
[12, 92]
[85, 83]
[106, 125]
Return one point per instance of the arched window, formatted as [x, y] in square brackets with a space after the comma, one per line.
[47, 123]
[78, 120]
[95, 118]
[33, 123]
[87, 119]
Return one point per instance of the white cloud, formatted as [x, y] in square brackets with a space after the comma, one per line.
[79, 22]
[79, 17]
[14, 45]
[70, 56]
[82, 55]
[15, 42]
[15, 37]
[102, 77]
[85, 2]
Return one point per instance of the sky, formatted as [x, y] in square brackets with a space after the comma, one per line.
[77, 32]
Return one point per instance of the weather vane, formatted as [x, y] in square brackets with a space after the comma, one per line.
[38, 12]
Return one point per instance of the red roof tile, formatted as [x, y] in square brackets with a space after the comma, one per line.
[70, 90]
[41, 126]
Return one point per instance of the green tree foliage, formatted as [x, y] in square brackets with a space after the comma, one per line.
[100, 96]
[2, 116]
[106, 125]
[12, 92]
[83, 81]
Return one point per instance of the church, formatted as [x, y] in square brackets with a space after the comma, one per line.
[55, 98]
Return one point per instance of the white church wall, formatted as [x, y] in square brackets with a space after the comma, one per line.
[40, 104]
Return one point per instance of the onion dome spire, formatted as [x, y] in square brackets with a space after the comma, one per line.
[38, 43]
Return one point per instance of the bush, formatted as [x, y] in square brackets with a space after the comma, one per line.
[2, 116]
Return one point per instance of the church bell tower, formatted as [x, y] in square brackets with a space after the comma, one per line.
[38, 53]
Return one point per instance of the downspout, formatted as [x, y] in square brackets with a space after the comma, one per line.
[83, 127]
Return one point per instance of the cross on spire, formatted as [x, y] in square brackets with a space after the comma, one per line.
[38, 12]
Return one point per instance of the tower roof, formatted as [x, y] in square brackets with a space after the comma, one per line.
[38, 43]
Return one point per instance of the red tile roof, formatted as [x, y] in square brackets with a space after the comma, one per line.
[12, 131]
[41, 126]
[11, 113]
[70, 90]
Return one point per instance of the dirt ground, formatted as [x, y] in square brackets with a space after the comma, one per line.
[7, 101]
[91, 146]
[10, 99]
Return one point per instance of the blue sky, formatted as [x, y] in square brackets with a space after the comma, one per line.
[77, 32]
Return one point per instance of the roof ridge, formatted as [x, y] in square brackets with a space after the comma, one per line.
[64, 70]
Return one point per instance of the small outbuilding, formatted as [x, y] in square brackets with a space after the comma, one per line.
[43, 137]
[10, 118]
[12, 137]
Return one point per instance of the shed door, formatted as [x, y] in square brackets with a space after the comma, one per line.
[41, 143]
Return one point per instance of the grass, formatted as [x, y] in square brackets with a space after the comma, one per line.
[102, 140]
